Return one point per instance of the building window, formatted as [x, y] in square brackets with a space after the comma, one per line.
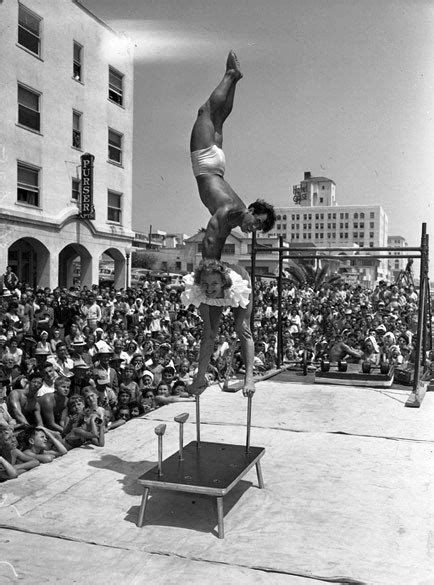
[278, 226]
[371, 225]
[346, 225]
[361, 235]
[116, 86]
[346, 235]
[355, 236]
[77, 62]
[362, 224]
[372, 215]
[321, 236]
[362, 215]
[371, 244]
[28, 184]
[228, 249]
[356, 224]
[371, 235]
[115, 146]
[284, 226]
[346, 216]
[29, 108]
[321, 199]
[283, 216]
[75, 189]
[29, 30]
[76, 129]
[278, 217]
[114, 207]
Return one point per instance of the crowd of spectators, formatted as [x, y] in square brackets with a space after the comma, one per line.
[78, 362]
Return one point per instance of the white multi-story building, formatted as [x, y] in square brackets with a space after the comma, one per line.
[67, 90]
[397, 264]
[316, 218]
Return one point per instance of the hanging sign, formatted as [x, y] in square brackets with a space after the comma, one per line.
[87, 209]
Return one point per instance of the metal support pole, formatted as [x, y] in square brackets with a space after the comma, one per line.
[249, 420]
[159, 431]
[181, 419]
[197, 422]
[253, 282]
[427, 300]
[421, 310]
[279, 307]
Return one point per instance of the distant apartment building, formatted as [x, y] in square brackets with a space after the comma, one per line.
[396, 265]
[316, 218]
[64, 95]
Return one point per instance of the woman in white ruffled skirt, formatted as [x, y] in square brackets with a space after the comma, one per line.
[213, 287]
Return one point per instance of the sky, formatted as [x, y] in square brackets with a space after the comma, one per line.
[341, 88]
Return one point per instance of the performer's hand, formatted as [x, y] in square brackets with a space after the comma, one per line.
[249, 390]
[198, 386]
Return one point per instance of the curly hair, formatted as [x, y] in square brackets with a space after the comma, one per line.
[261, 206]
[210, 266]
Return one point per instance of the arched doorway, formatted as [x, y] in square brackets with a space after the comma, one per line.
[112, 268]
[30, 260]
[75, 266]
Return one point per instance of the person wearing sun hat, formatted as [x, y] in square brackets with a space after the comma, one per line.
[102, 366]
[79, 350]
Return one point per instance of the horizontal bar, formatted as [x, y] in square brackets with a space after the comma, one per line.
[310, 249]
[352, 257]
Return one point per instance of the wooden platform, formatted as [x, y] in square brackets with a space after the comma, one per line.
[355, 377]
[212, 469]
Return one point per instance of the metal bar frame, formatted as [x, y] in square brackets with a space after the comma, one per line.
[421, 252]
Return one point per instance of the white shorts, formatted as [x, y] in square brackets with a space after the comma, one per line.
[208, 160]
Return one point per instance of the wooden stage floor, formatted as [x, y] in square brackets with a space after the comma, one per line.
[348, 498]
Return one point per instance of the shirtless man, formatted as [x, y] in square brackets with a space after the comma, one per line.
[208, 160]
[341, 349]
[51, 408]
[22, 402]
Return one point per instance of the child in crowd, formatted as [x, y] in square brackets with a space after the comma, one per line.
[12, 460]
[42, 445]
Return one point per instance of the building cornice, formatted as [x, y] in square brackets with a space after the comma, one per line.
[57, 226]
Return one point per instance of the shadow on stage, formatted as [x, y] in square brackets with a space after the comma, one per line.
[169, 508]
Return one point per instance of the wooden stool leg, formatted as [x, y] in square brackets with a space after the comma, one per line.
[220, 517]
[143, 508]
[259, 474]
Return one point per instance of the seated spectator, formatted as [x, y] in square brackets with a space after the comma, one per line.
[341, 350]
[48, 377]
[135, 409]
[51, 408]
[394, 355]
[5, 417]
[62, 363]
[15, 351]
[129, 384]
[148, 400]
[22, 401]
[179, 388]
[106, 396]
[42, 445]
[44, 344]
[80, 429]
[164, 395]
[13, 462]
[371, 351]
